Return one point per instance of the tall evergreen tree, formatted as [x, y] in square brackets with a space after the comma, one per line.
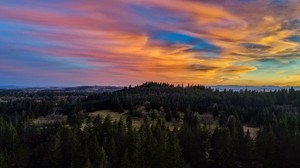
[88, 164]
[54, 155]
[174, 157]
[222, 154]
[125, 163]
[266, 147]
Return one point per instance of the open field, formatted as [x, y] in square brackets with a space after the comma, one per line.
[50, 119]
[137, 122]
[253, 131]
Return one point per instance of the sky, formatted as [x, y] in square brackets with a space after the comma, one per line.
[122, 42]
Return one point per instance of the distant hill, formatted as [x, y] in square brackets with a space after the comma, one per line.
[115, 88]
[89, 89]
[255, 88]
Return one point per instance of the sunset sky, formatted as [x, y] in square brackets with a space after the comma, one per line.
[122, 42]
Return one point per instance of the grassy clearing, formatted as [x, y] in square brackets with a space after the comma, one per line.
[253, 131]
[136, 122]
[50, 119]
[103, 113]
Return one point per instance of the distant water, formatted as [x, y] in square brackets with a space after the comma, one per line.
[254, 88]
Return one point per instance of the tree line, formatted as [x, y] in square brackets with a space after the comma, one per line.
[255, 107]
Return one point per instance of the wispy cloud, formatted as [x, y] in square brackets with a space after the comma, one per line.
[124, 42]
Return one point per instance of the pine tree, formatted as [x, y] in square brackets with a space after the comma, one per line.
[70, 147]
[129, 123]
[121, 135]
[107, 125]
[125, 163]
[222, 154]
[223, 120]
[133, 148]
[88, 164]
[111, 151]
[266, 146]
[22, 157]
[168, 116]
[174, 157]
[247, 151]
[54, 156]
[131, 108]
[236, 133]
[98, 129]
[3, 160]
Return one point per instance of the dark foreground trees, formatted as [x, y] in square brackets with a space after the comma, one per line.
[104, 143]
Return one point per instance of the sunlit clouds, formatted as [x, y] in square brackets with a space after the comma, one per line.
[236, 42]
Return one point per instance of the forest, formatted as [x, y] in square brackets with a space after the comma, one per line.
[102, 142]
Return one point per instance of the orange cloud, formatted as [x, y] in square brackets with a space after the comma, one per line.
[117, 43]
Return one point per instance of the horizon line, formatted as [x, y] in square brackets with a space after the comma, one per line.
[133, 85]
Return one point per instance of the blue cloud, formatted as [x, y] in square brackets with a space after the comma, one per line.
[254, 46]
[171, 37]
[245, 1]
[294, 38]
[279, 2]
[153, 14]
[18, 35]
[199, 45]
[269, 64]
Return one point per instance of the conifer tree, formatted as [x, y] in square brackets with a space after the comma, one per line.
[111, 151]
[125, 163]
[247, 151]
[54, 155]
[103, 160]
[266, 147]
[88, 164]
[3, 160]
[223, 120]
[21, 157]
[222, 154]
[70, 147]
[174, 157]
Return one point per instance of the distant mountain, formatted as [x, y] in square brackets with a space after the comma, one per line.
[255, 88]
[89, 89]
[100, 89]
[92, 89]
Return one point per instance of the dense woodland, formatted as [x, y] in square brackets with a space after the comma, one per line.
[253, 107]
[102, 142]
